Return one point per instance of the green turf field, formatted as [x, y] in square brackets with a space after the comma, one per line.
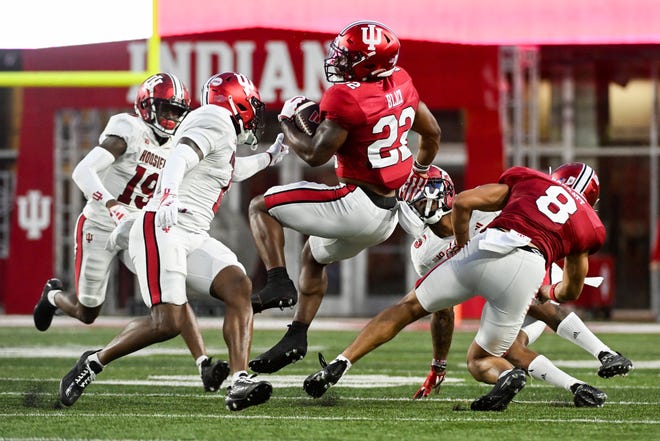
[156, 394]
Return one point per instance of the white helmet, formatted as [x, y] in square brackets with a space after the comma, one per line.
[436, 199]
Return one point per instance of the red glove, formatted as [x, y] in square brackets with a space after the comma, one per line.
[433, 381]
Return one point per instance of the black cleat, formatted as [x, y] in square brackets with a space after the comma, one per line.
[587, 396]
[246, 392]
[291, 348]
[43, 312]
[316, 384]
[213, 374]
[502, 393]
[613, 364]
[278, 293]
[77, 379]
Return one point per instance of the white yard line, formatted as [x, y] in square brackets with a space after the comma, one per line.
[266, 322]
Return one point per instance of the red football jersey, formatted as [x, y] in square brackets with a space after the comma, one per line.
[557, 218]
[377, 116]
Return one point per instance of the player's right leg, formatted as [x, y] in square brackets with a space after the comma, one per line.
[227, 281]
[92, 269]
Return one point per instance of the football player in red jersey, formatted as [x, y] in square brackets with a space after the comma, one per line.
[543, 219]
[366, 117]
[427, 218]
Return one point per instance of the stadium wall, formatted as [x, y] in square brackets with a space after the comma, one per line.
[282, 64]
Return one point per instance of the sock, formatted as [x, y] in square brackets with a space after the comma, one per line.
[278, 272]
[237, 375]
[574, 330]
[95, 363]
[341, 357]
[542, 369]
[199, 362]
[504, 373]
[297, 328]
[534, 330]
[51, 296]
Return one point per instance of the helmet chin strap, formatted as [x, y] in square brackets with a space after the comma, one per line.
[439, 214]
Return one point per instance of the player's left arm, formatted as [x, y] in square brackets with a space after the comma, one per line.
[247, 166]
[488, 197]
[429, 131]
[569, 288]
[320, 148]
[426, 125]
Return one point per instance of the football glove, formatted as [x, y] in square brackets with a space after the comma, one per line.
[278, 150]
[168, 211]
[118, 213]
[118, 239]
[289, 107]
[453, 249]
[433, 381]
[414, 185]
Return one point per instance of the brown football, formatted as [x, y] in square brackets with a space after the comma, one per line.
[307, 117]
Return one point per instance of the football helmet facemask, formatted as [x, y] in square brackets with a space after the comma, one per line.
[363, 51]
[580, 177]
[437, 198]
[236, 93]
[162, 101]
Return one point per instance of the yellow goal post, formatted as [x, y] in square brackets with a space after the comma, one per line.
[92, 78]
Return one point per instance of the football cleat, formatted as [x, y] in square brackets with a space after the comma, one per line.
[316, 384]
[246, 392]
[502, 393]
[613, 364]
[291, 348]
[78, 378]
[587, 396]
[278, 293]
[213, 374]
[43, 311]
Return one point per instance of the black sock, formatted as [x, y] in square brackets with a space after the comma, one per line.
[297, 328]
[279, 272]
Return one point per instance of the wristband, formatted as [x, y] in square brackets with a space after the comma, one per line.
[420, 168]
[440, 365]
[551, 292]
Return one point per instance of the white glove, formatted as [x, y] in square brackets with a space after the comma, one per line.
[289, 107]
[118, 213]
[277, 151]
[118, 239]
[168, 211]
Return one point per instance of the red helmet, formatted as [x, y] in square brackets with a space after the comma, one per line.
[162, 101]
[580, 177]
[236, 93]
[437, 197]
[363, 51]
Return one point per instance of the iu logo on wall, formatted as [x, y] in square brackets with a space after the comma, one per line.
[34, 213]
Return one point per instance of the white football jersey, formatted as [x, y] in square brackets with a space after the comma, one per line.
[429, 249]
[132, 177]
[203, 186]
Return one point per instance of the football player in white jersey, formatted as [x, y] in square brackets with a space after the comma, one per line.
[118, 177]
[425, 219]
[170, 245]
